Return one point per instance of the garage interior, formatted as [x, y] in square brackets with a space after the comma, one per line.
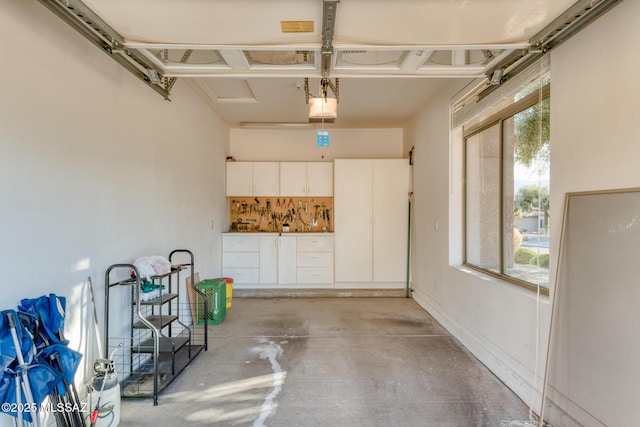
[130, 129]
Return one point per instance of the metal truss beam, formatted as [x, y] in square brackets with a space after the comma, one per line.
[574, 19]
[93, 28]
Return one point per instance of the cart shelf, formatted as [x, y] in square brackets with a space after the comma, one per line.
[157, 320]
[140, 383]
[166, 345]
[163, 299]
[161, 341]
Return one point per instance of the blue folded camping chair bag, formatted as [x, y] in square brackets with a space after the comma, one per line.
[41, 378]
[49, 312]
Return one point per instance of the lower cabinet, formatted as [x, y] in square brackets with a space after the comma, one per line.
[270, 260]
[314, 260]
[268, 264]
[241, 257]
[287, 245]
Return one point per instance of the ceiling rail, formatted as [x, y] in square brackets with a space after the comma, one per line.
[329, 8]
[77, 15]
[574, 19]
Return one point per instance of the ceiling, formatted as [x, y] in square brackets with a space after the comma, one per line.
[251, 57]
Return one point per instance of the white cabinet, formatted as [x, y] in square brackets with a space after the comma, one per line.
[250, 259]
[313, 179]
[306, 179]
[353, 202]
[253, 178]
[241, 257]
[293, 179]
[305, 260]
[314, 260]
[371, 220]
[267, 260]
[391, 180]
[287, 260]
[320, 179]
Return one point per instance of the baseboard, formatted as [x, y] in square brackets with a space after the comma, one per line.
[561, 411]
[370, 285]
[318, 293]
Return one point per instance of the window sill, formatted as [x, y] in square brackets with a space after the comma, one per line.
[512, 283]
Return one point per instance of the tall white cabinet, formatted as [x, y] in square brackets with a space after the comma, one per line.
[371, 199]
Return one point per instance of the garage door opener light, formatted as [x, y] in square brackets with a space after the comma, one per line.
[323, 109]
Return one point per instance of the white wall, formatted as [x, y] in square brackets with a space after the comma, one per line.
[300, 145]
[496, 321]
[96, 168]
[595, 136]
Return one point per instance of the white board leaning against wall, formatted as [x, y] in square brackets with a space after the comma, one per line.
[594, 364]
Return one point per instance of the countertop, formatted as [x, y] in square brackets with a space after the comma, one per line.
[294, 233]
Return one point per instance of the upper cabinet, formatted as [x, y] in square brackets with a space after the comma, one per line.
[253, 178]
[306, 179]
[291, 179]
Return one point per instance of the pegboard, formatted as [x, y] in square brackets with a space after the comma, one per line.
[270, 214]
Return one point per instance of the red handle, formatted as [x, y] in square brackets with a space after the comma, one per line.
[94, 417]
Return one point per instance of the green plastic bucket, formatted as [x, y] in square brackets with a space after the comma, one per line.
[215, 291]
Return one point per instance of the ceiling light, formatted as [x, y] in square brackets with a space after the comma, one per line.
[276, 125]
[323, 110]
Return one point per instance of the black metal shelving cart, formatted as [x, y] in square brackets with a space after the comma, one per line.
[163, 337]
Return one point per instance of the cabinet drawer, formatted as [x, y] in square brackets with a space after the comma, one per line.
[315, 259]
[315, 243]
[242, 275]
[241, 243]
[315, 275]
[240, 259]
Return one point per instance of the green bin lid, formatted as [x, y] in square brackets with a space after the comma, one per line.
[211, 283]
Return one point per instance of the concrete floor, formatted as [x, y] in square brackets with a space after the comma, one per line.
[330, 362]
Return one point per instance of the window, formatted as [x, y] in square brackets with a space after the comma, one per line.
[507, 163]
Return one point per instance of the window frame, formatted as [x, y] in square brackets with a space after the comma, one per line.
[498, 118]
